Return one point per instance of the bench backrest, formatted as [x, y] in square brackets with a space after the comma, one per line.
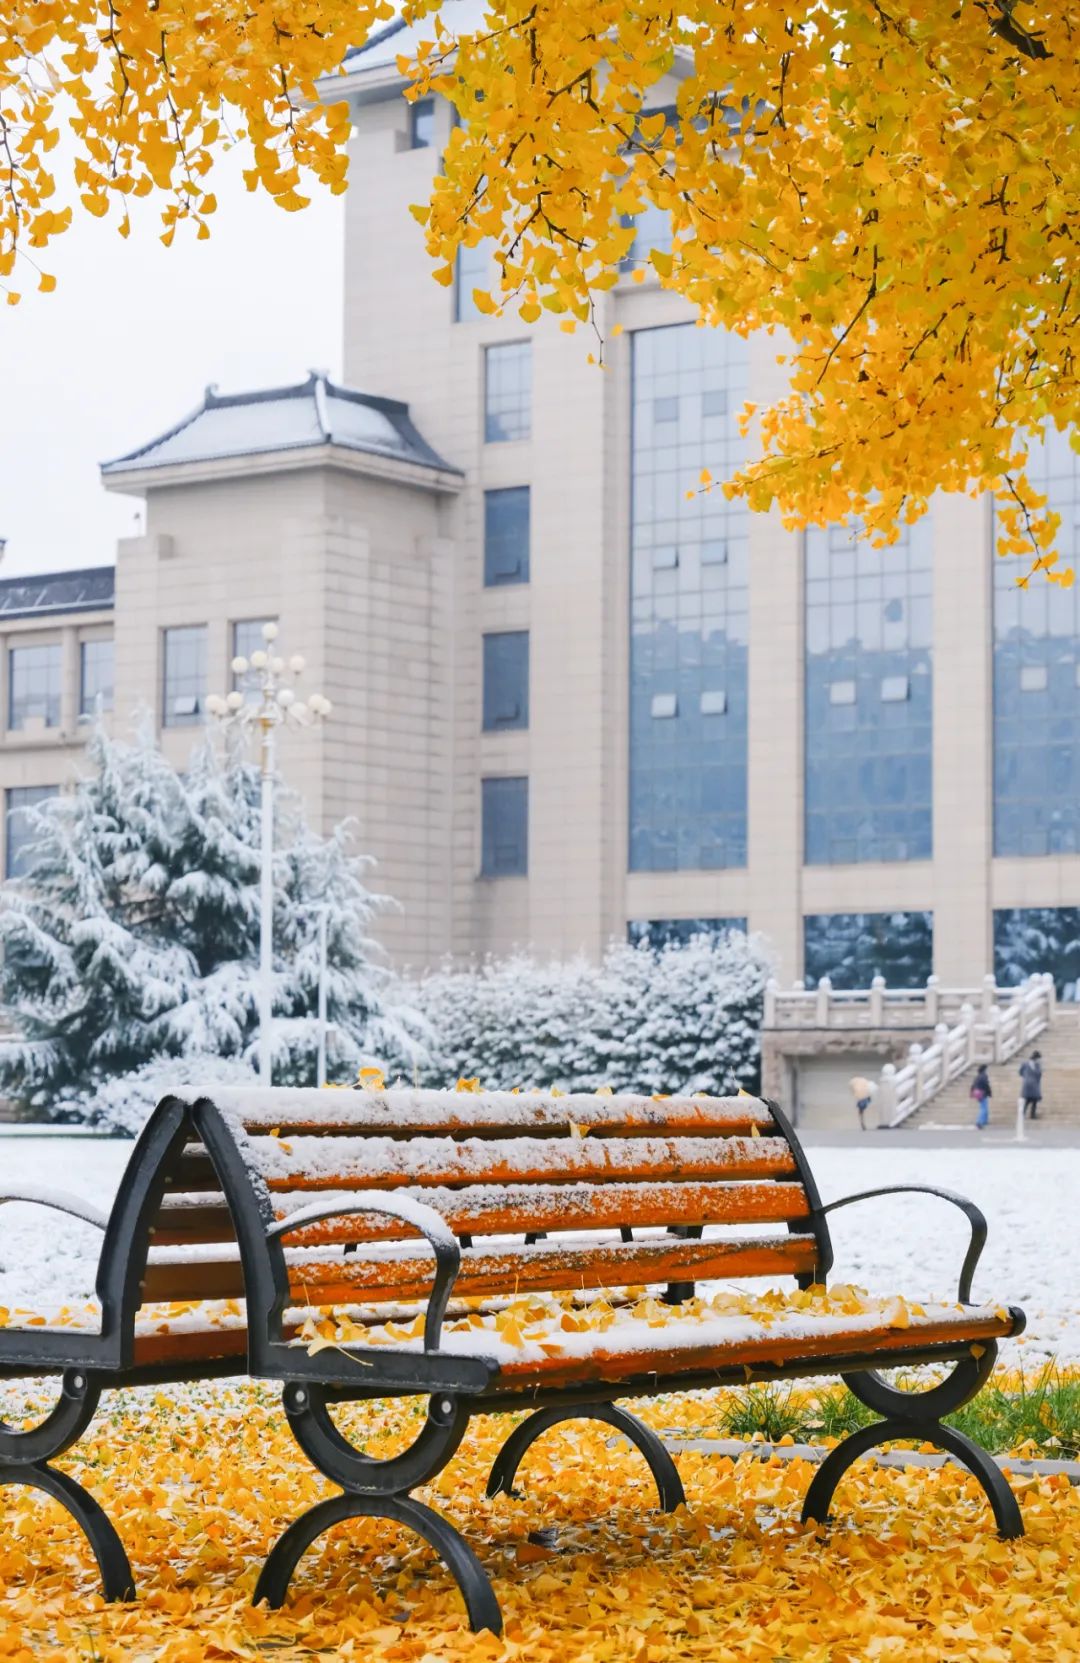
[605, 1172]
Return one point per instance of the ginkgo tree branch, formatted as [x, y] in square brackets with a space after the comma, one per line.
[890, 186]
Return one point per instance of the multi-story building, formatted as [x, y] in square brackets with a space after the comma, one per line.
[570, 700]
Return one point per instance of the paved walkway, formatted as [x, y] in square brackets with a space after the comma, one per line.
[1039, 1136]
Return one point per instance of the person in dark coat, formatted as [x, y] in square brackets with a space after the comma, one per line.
[1031, 1083]
[981, 1093]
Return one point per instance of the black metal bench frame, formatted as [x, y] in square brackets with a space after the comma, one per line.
[457, 1387]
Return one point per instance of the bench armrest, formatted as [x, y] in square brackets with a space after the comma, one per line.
[973, 1214]
[425, 1220]
[60, 1202]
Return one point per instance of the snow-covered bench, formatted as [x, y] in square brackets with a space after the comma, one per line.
[292, 1233]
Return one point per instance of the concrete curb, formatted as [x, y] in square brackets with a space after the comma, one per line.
[1021, 1465]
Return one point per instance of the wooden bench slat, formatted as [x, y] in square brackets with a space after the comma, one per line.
[189, 1219]
[414, 1113]
[190, 1345]
[604, 1362]
[398, 1273]
[508, 1210]
[310, 1163]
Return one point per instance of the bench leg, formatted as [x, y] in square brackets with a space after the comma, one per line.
[978, 1462]
[668, 1483]
[453, 1550]
[117, 1582]
[917, 1415]
[378, 1489]
[24, 1458]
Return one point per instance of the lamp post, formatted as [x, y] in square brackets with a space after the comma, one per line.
[274, 705]
[320, 1067]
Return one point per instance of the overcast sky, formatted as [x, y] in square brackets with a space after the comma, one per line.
[129, 340]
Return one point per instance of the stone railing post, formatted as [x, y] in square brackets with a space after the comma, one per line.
[994, 1019]
[967, 1022]
[915, 1053]
[989, 996]
[877, 1002]
[824, 996]
[933, 1000]
[941, 1040]
[886, 1107]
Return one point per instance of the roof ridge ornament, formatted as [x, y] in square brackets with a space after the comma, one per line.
[319, 383]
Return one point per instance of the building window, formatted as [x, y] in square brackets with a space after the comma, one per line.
[506, 536]
[1029, 941]
[20, 831]
[506, 680]
[1037, 680]
[35, 679]
[422, 124]
[652, 230]
[475, 269]
[96, 689]
[667, 932]
[247, 637]
[869, 690]
[507, 392]
[504, 838]
[184, 682]
[689, 610]
[851, 948]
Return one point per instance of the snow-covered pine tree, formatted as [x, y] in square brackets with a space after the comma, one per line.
[134, 940]
[85, 968]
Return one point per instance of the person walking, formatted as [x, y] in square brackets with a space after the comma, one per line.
[1031, 1083]
[863, 1092]
[981, 1093]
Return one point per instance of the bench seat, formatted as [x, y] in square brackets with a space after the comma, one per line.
[558, 1344]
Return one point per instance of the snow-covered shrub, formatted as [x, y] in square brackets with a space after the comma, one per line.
[123, 1102]
[685, 1017]
[135, 937]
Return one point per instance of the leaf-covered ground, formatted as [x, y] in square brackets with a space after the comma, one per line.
[201, 1481]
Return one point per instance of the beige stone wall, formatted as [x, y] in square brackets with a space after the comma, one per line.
[215, 554]
[38, 755]
[357, 572]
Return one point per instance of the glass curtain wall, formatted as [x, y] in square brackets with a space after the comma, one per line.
[869, 690]
[1037, 681]
[851, 948]
[689, 612]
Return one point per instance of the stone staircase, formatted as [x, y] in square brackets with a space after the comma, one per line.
[1060, 1048]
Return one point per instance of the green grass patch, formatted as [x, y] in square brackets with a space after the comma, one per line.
[1037, 1415]
[1044, 1412]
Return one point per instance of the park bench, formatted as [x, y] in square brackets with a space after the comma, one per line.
[264, 1211]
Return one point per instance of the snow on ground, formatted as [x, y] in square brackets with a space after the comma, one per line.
[45, 1258]
[915, 1244]
[910, 1245]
